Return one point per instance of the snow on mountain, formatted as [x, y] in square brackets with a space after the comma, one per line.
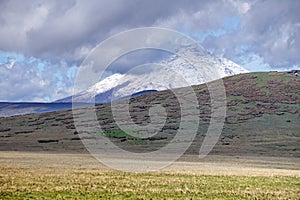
[106, 84]
[173, 72]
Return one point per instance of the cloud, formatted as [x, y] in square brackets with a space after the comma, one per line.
[62, 33]
[57, 30]
[241, 6]
[9, 64]
[269, 28]
[68, 30]
[31, 79]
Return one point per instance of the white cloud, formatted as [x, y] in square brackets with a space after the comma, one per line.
[26, 82]
[241, 6]
[10, 64]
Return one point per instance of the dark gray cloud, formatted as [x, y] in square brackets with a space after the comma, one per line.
[58, 29]
[136, 58]
[275, 30]
[271, 29]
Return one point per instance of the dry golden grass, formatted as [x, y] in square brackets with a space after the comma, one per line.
[73, 176]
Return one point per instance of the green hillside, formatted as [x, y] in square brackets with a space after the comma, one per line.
[262, 120]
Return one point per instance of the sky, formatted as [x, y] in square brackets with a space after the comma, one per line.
[42, 43]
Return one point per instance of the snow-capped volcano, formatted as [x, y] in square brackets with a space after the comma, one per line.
[179, 70]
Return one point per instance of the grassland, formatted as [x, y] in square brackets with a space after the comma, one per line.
[94, 185]
[54, 176]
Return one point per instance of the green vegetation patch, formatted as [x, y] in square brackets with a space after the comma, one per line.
[116, 134]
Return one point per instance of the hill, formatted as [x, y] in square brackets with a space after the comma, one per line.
[263, 114]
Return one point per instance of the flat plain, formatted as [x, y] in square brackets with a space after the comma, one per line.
[27, 175]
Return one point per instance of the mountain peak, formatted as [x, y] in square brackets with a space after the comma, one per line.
[187, 67]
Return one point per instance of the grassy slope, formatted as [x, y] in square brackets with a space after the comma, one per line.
[262, 119]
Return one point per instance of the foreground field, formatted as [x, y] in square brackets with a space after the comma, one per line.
[79, 176]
